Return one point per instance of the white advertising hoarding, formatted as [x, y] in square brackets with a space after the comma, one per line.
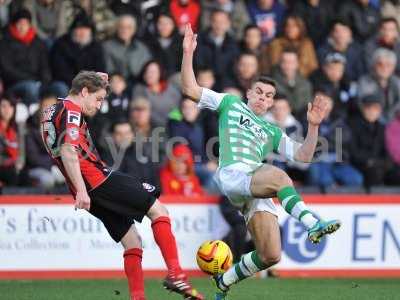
[55, 237]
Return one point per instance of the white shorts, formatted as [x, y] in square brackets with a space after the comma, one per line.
[235, 184]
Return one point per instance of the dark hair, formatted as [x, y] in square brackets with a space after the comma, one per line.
[118, 122]
[249, 27]
[21, 14]
[249, 53]
[280, 96]
[11, 98]
[203, 70]
[340, 21]
[266, 80]
[389, 20]
[163, 75]
[117, 74]
[290, 50]
[82, 20]
[90, 80]
[299, 22]
[217, 10]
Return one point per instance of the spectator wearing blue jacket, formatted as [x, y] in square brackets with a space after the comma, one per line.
[268, 15]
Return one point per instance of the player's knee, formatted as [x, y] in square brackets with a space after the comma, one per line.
[132, 240]
[157, 210]
[270, 258]
[282, 179]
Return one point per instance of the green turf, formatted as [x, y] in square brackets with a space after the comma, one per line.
[252, 289]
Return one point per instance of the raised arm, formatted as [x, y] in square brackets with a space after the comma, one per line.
[315, 114]
[190, 87]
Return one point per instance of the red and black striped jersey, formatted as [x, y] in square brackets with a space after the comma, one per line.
[63, 123]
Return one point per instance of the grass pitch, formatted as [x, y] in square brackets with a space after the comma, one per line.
[251, 289]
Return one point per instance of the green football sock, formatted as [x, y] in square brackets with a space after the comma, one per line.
[294, 205]
[248, 265]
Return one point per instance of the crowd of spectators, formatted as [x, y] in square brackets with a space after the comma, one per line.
[348, 51]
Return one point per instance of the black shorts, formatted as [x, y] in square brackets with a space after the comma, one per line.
[120, 200]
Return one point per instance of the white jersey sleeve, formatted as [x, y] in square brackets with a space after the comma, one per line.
[288, 147]
[210, 99]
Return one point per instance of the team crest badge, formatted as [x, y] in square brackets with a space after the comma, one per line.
[73, 133]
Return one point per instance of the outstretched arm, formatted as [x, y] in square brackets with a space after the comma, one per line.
[315, 114]
[190, 87]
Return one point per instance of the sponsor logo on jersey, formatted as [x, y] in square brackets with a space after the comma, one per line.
[257, 130]
[296, 244]
[74, 117]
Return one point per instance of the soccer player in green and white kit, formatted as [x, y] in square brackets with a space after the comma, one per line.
[245, 140]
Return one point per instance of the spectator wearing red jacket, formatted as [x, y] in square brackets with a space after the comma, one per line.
[8, 142]
[185, 11]
[178, 176]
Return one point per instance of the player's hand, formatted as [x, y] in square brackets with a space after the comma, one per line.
[189, 40]
[103, 76]
[82, 201]
[317, 110]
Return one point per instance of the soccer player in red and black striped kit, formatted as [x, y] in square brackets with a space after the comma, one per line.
[115, 198]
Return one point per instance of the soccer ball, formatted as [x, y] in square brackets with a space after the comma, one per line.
[214, 257]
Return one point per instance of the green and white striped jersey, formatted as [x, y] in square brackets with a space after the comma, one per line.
[245, 139]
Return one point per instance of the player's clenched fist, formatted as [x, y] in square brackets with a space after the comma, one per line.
[82, 201]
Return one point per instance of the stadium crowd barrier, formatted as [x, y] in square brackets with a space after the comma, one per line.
[42, 236]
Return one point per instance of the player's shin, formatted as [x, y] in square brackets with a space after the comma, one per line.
[134, 273]
[165, 240]
[248, 265]
[294, 205]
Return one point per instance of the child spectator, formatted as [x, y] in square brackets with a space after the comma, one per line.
[178, 176]
[118, 99]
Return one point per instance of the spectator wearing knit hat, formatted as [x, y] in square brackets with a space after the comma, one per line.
[330, 78]
[367, 146]
[23, 58]
[75, 51]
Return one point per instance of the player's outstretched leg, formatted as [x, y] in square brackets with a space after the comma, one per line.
[176, 281]
[133, 264]
[264, 230]
[270, 180]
